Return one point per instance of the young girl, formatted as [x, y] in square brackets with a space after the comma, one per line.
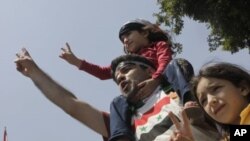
[138, 37]
[223, 92]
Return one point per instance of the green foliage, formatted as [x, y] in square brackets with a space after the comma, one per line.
[228, 20]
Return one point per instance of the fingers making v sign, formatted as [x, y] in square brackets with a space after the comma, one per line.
[69, 56]
[183, 130]
[24, 62]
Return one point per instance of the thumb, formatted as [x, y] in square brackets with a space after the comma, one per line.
[61, 56]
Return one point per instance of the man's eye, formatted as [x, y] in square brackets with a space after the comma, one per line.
[125, 69]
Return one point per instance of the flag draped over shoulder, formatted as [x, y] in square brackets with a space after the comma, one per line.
[5, 135]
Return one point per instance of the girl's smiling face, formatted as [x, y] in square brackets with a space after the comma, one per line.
[135, 40]
[222, 100]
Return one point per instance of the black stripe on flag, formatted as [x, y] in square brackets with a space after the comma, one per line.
[157, 130]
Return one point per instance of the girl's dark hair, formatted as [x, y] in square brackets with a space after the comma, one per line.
[156, 34]
[222, 70]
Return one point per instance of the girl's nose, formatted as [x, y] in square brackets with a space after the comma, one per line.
[125, 40]
[212, 101]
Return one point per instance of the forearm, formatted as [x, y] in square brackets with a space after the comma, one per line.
[63, 98]
[77, 62]
[102, 73]
[51, 89]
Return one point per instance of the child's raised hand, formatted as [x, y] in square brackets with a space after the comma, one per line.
[183, 131]
[69, 56]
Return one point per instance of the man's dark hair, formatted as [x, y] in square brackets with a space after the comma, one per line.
[123, 58]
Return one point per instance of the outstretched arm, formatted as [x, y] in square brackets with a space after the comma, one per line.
[57, 94]
[100, 72]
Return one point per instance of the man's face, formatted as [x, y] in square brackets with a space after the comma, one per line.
[128, 75]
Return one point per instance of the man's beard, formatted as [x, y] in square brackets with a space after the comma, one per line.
[130, 94]
[131, 91]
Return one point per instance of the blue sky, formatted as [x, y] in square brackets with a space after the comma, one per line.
[91, 28]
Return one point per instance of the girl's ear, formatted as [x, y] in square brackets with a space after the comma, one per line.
[245, 90]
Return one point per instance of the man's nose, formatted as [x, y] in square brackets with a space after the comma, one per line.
[120, 77]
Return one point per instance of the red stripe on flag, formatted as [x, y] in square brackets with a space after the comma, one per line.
[153, 111]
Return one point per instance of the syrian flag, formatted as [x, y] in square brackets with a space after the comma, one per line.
[5, 135]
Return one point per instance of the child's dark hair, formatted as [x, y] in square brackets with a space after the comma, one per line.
[155, 32]
[226, 71]
[223, 70]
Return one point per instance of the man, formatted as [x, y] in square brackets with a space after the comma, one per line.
[150, 120]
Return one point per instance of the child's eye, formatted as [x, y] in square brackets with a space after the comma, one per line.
[127, 34]
[203, 101]
[215, 89]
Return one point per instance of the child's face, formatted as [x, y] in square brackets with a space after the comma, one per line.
[222, 100]
[134, 40]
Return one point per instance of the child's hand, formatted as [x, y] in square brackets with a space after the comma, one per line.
[183, 131]
[147, 87]
[69, 56]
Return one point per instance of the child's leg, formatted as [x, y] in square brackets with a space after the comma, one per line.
[120, 119]
[178, 73]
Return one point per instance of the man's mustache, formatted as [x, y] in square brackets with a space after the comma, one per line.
[131, 93]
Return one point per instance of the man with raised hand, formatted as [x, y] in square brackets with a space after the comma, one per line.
[149, 117]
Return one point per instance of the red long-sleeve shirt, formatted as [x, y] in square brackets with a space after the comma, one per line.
[159, 53]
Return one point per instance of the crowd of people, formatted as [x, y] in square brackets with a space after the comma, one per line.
[161, 97]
